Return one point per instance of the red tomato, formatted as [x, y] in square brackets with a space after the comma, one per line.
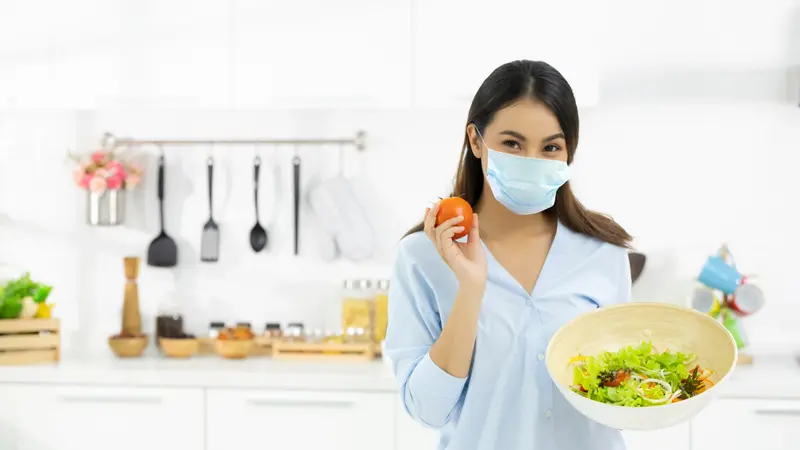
[454, 207]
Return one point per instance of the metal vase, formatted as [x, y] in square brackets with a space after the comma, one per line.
[107, 208]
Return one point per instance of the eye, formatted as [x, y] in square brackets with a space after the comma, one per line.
[514, 145]
[552, 148]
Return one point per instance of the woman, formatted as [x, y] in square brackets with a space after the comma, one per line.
[469, 321]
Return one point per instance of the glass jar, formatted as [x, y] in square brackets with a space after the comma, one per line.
[381, 311]
[214, 328]
[357, 305]
[272, 330]
[295, 332]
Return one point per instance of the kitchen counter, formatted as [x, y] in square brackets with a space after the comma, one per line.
[207, 371]
[768, 377]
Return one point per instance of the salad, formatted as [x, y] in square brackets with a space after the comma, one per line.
[639, 376]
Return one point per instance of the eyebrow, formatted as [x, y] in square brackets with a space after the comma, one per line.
[522, 138]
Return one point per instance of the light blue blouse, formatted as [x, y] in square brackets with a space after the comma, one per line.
[508, 401]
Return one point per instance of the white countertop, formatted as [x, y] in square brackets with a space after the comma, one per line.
[207, 371]
[768, 377]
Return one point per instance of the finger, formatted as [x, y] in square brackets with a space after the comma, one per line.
[447, 224]
[451, 232]
[429, 221]
[474, 235]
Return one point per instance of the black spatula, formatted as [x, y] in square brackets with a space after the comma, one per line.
[163, 252]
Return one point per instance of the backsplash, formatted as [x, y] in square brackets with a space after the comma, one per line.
[681, 178]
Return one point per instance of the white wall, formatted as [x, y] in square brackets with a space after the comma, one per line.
[682, 178]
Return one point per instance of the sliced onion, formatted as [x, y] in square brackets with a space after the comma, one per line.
[663, 384]
[674, 395]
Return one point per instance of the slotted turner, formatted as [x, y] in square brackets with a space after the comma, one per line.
[209, 245]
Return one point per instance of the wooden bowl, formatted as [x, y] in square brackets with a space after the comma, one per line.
[179, 348]
[233, 349]
[127, 347]
[666, 326]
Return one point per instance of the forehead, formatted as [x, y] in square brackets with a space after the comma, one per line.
[528, 117]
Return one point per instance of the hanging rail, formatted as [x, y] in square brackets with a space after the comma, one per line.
[359, 141]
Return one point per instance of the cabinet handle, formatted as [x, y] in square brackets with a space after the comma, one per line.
[109, 399]
[301, 403]
[778, 412]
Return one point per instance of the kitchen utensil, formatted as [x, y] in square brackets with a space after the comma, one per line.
[666, 326]
[335, 203]
[131, 316]
[706, 301]
[127, 347]
[637, 261]
[718, 274]
[163, 252]
[179, 348]
[258, 235]
[209, 247]
[296, 182]
[747, 299]
[233, 349]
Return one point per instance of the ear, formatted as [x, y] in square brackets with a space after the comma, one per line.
[475, 143]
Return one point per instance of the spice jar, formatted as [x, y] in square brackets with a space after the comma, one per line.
[272, 330]
[381, 311]
[215, 328]
[295, 332]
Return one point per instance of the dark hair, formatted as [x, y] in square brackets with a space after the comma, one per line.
[536, 80]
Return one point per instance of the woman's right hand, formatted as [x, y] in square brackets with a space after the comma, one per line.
[467, 260]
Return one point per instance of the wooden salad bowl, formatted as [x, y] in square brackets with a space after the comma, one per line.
[666, 326]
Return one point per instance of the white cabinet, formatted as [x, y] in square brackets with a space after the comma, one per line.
[747, 424]
[77, 418]
[320, 53]
[410, 434]
[60, 54]
[176, 54]
[299, 419]
[457, 44]
[672, 438]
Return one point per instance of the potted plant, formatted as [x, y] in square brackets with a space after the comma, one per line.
[105, 176]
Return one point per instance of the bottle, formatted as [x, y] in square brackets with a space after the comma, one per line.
[381, 316]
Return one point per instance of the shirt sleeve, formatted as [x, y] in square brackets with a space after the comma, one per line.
[429, 394]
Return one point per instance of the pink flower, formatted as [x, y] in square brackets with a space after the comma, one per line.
[101, 173]
[114, 166]
[99, 156]
[114, 182]
[132, 181]
[97, 185]
[78, 174]
[86, 181]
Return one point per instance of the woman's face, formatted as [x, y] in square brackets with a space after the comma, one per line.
[525, 128]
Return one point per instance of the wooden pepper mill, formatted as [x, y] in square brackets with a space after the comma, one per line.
[131, 317]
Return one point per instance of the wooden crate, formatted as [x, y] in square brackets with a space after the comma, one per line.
[323, 351]
[262, 347]
[29, 341]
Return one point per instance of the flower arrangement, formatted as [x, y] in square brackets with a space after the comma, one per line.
[104, 170]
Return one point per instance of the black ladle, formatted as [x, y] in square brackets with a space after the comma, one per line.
[258, 235]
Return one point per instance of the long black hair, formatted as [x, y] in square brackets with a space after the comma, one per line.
[537, 80]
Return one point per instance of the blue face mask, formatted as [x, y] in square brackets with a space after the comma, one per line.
[524, 185]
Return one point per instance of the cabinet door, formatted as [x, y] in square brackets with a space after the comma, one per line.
[302, 419]
[672, 438]
[411, 435]
[458, 43]
[176, 54]
[747, 424]
[60, 54]
[321, 53]
[78, 418]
